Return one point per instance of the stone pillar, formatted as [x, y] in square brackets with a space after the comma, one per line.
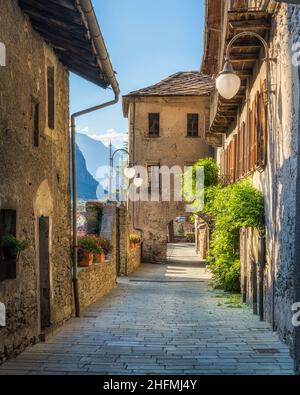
[94, 212]
[124, 241]
[202, 239]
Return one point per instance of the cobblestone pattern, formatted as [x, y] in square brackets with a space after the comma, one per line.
[162, 320]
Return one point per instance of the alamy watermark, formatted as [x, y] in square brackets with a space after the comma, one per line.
[2, 55]
[156, 184]
[2, 315]
[296, 316]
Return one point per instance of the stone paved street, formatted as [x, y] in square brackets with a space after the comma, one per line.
[162, 320]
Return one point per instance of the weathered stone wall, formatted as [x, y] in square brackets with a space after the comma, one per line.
[202, 239]
[172, 148]
[95, 282]
[98, 280]
[34, 180]
[250, 271]
[124, 241]
[134, 259]
[278, 181]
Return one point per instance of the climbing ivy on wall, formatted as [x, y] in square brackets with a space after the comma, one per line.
[231, 208]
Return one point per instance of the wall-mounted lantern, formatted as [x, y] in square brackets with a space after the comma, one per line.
[228, 83]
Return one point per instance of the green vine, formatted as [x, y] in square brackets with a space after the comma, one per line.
[231, 208]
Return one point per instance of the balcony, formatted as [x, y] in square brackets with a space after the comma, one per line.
[246, 5]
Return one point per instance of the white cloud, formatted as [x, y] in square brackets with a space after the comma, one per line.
[84, 130]
[117, 138]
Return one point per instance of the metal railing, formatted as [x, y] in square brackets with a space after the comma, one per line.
[246, 5]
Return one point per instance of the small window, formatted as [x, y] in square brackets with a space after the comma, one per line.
[193, 125]
[154, 179]
[36, 124]
[8, 226]
[51, 96]
[154, 125]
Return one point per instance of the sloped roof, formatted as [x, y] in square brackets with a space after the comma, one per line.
[191, 83]
[63, 25]
[212, 36]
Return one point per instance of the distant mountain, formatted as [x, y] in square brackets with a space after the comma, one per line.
[86, 184]
[95, 153]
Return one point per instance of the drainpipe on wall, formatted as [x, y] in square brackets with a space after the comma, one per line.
[134, 162]
[88, 14]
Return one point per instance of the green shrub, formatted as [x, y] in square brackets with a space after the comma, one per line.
[232, 208]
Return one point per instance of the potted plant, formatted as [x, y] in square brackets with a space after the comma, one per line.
[106, 247]
[11, 250]
[135, 240]
[12, 247]
[100, 255]
[87, 247]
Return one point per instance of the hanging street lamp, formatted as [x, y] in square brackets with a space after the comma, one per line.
[228, 82]
[138, 181]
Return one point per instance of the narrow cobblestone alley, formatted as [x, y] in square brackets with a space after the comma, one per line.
[162, 320]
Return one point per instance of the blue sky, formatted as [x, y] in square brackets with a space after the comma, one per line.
[147, 40]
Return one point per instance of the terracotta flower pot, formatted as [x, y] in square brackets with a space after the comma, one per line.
[132, 246]
[100, 258]
[86, 259]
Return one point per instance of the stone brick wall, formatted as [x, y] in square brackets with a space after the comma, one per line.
[202, 239]
[34, 180]
[95, 282]
[278, 181]
[134, 259]
[98, 280]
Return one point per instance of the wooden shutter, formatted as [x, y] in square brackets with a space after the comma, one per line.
[242, 150]
[252, 134]
[255, 129]
[226, 173]
[249, 141]
[233, 159]
[262, 127]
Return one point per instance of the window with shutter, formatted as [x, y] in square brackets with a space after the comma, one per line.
[249, 141]
[262, 128]
[234, 161]
[255, 130]
[241, 150]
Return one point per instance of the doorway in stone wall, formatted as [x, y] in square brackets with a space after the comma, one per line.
[181, 230]
[44, 265]
[181, 237]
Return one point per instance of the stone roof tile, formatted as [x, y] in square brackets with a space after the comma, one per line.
[190, 83]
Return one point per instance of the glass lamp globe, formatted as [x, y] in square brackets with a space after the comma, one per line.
[228, 82]
[129, 172]
[138, 182]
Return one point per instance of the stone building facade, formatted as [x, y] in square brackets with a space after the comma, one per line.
[159, 118]
[35, 203]
[258, 138]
